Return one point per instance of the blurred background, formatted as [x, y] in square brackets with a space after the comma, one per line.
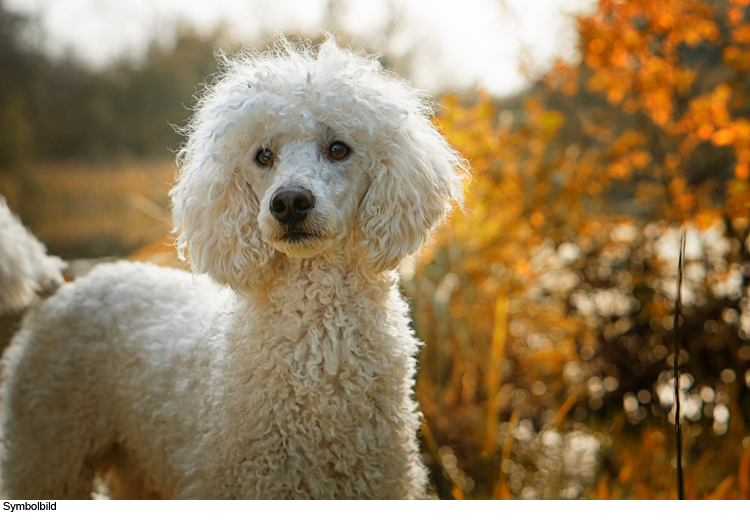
[595, 130]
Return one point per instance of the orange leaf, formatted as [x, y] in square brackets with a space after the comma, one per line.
[736, 58]
[723, 137]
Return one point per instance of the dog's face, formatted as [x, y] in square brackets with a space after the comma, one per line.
[290, 154]
[308, 185]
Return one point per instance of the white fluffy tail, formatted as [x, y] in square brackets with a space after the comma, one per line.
[26, 271]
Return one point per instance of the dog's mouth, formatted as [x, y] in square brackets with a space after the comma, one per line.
[297, 236]
[300, 239]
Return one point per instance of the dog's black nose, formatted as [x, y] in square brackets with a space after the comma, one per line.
[291, 205]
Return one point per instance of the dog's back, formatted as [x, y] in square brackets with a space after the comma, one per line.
[112, 354]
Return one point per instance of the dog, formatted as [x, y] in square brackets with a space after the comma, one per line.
[26, 271]
[284, 366]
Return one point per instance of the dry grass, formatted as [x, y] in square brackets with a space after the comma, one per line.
[82, 210]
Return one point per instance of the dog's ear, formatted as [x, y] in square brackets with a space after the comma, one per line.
[215, 214]
[412, 189]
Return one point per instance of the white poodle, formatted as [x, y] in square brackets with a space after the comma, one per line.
[308, 176]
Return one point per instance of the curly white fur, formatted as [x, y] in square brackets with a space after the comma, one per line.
[294, 381]
[26, 271]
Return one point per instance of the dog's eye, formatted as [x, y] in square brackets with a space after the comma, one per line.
[264, 157]
[338, 151]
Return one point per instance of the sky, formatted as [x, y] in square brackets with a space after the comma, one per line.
[454, 44]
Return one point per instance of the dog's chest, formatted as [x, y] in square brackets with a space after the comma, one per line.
[323, 400]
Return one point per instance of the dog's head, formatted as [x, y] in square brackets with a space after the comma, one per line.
[292, 150]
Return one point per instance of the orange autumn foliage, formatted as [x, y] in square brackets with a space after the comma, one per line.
[575, 186]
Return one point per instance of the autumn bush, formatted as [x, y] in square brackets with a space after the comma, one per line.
[547, 309]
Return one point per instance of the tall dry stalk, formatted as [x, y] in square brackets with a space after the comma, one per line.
[676, 346]
[494, 372]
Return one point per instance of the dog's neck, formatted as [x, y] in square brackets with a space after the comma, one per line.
[321, 306]
[339, 274]
[327, 279]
